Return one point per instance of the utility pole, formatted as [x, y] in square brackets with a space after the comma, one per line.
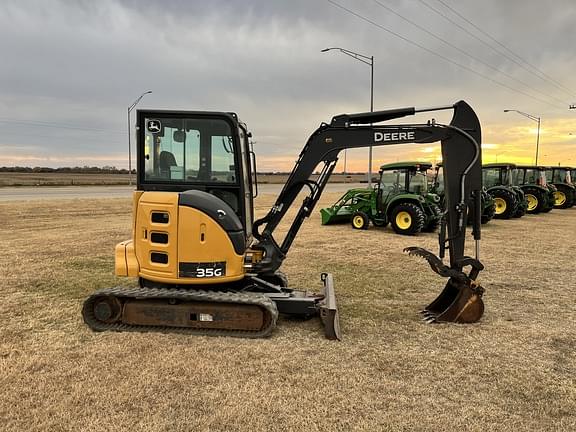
[130, 108]
[370, 62]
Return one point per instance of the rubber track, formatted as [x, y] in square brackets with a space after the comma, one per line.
[184, 295]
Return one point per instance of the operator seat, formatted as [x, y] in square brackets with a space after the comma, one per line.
[166, 160]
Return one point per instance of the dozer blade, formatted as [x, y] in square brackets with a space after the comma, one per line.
[461, 299]
[329, 309]
[307, 304]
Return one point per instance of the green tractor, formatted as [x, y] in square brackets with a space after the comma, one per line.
[509, 198]
[565, 196]
[400, 197]
[539, 193]
[436, 186]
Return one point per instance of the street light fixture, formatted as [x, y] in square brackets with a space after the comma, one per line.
[130, 108]
[534, 118]
[573, 106]
[370, 62]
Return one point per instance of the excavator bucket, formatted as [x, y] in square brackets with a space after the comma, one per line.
[461, 299]
[458, 302]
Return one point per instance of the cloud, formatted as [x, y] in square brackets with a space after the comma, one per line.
[82, 63]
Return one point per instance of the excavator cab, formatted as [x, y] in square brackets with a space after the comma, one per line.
[197, 151]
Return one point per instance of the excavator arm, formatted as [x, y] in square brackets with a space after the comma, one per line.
[460, 141]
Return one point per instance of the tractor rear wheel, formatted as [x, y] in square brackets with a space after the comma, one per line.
[407, 219]
[360, 220]
[505, 203]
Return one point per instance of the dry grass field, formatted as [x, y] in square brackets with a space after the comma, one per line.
[515, 370]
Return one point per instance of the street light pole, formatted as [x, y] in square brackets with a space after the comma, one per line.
[370, 62]
[533, 118]
[130, 108]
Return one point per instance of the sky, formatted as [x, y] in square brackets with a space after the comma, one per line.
[70, 69]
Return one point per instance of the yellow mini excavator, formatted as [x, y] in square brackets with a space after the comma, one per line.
[204, 265]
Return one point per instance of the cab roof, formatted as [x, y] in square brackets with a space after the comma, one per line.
[399, 165]
[499, 165]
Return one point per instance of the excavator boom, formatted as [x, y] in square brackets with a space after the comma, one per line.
[461, 151]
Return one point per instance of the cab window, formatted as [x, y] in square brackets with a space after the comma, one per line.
[491, 177]
[181, 150]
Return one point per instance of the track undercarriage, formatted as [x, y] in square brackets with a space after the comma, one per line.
[249, 309]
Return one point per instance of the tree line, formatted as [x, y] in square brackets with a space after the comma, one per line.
[71, 170]
[112, 170]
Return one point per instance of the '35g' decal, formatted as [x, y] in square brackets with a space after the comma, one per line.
[202, 270]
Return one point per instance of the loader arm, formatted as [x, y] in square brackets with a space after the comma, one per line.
[461, 152]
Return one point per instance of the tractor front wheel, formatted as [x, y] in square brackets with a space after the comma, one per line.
[407, 219]
[433, 218]
[360, 220]
[535, 200]
[505, 203]
[563, 197]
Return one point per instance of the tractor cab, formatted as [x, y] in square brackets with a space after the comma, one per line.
[539, 193]
[565, 196]
[501, 182]
[193, 151]
[404, 177]
[530, 175]
[498, 175]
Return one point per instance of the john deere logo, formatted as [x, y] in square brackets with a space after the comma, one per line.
[153, 126]
[393, 136]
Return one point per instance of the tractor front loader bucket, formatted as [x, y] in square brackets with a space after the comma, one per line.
[329, 216]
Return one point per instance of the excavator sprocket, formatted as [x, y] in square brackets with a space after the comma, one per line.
[461, 299]
[212, 313]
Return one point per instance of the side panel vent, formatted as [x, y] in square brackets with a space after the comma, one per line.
[158, 237]
[159, 257]
[160, 217]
